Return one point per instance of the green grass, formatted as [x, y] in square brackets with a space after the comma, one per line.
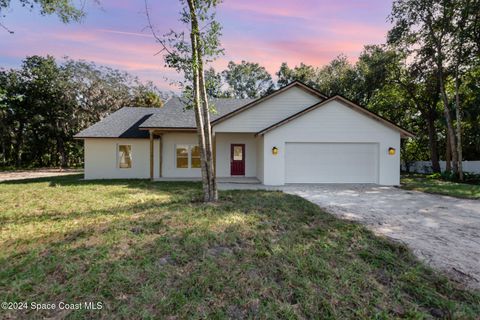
[153, 250]
[438, 186]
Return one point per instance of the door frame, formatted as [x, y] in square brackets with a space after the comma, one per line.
[232, 146]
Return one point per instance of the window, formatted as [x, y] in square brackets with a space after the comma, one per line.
[195, 153]
[124, 156]
[187, 156]
[182, 156]
[237, 153]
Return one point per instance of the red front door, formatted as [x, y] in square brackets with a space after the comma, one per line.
[237, 160]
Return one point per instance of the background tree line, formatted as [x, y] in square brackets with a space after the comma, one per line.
[44, 104]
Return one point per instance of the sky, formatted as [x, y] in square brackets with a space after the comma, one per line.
[265, 31]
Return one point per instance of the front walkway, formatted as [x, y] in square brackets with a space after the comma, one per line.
[441, 230]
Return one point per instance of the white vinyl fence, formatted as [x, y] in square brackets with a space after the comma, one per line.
[426, 166]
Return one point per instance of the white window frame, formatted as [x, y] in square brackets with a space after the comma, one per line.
[189, 148]
[186, 146]
[119, 158]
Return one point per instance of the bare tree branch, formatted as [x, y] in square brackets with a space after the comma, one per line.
[5, 27]
[152, 30]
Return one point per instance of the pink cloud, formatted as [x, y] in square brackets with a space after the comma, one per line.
[268, 32]
[271, 53]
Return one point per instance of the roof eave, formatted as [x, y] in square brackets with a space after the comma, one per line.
[82, 138]
[166, 128]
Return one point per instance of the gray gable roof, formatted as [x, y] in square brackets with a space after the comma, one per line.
[126, 122]
[122, 123]
[174, 115]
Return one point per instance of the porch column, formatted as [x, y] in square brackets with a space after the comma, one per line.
[214, 150]
[160, 141]
[151, 155]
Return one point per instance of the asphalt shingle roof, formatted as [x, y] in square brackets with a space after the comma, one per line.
[126, 122]
[174, 114]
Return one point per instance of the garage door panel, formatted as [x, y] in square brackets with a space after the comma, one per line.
[331, 163]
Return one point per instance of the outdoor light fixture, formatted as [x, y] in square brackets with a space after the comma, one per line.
[274, 151]
[391, 151]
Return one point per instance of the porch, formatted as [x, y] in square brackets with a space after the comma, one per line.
[239, 180]
[238, 157]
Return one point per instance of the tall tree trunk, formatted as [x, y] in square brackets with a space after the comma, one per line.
[458, 112]
[197, 105]
[448, 154]
[61, 152]
[448, 119]
[208, 131]
[432, 141]
[208, 140]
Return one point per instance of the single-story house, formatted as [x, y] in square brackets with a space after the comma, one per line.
[293, 135]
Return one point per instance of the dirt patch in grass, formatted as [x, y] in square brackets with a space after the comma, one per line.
[147, 250]
[36, 173]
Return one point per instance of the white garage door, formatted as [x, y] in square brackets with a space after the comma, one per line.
[331, 163]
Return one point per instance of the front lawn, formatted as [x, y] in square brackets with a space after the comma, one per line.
[433, 185]
[153, 250]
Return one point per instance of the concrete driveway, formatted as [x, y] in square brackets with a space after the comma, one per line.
[441, 230]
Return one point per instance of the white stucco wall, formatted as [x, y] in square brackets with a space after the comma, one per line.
[101, 159]
[169, 169]
[333, 122]
[101, 156]
[269, 111]
[224, 141]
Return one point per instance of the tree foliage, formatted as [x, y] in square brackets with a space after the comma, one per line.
[440, 35]
[66, 10]
[304, 73]
[44, 104]
[247, 79]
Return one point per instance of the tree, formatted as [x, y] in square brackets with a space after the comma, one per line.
[147, 96]
[304, 73]
[440, 34]
[214, 83]
[463, 49]
[64, 9]
[470, 93]
[45, 103]
[337, 77]
[11, 101]
[420, 86]
[247, 79]
[423, 24]
[189, 55]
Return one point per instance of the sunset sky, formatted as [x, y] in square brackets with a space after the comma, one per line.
[268, 32]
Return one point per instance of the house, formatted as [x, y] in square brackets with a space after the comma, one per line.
[293, 135]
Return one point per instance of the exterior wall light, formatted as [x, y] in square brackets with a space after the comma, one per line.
[274, 151]
[391, 151]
